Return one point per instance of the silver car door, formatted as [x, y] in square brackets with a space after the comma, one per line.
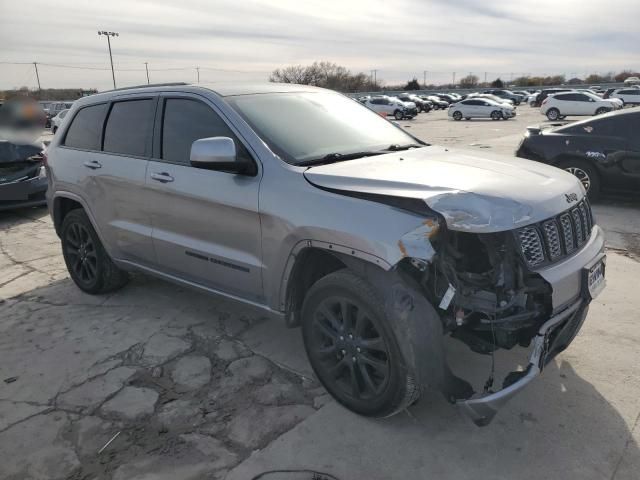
[206, 224]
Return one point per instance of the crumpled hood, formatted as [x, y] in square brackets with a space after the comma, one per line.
[473, 191]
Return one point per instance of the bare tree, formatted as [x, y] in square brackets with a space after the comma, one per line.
[322, 74]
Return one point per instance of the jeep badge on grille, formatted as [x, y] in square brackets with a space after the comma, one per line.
[571, 197]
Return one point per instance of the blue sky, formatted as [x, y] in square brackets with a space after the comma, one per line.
[245, 40]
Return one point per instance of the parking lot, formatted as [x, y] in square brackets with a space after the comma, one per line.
[159, 382]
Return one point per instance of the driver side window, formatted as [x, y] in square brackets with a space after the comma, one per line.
[183, 122]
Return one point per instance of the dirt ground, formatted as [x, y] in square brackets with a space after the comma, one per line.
[160, 382]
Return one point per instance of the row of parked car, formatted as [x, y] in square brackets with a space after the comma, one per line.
[407, 105]
[53, 109]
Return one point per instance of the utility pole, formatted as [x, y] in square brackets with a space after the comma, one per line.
[109, 35]
[454, 79]
[485, 77]
[424, 79]
[146, 67]
[375, 77]
[35, 64]
[198, 72]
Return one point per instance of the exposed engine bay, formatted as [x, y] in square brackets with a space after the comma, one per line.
[487, 297]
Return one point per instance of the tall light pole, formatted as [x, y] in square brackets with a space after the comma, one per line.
[424, 79]
[35, 64]
[146, 66]
[109, 35]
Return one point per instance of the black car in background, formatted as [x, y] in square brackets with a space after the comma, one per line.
[603, 151]
[546, 92]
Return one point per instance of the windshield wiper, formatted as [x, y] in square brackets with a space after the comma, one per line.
[396, 148]
[338, 157]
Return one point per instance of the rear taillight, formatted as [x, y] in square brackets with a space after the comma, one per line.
[545, 101]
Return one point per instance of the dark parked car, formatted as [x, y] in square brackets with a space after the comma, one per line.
[421, 105]
[603, 152]
[546, 92]
[507, 95]
[437, 102]
[23, 180]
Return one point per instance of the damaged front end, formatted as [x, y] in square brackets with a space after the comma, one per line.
[488, 298]
[23, 180]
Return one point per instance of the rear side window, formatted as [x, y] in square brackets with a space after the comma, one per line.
[186, 121]
[128, 127]
[86, 127]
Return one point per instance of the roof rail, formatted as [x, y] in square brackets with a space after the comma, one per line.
[170, 84]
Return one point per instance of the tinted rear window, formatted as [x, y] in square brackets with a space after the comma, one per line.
[86, 127]
[128, 127]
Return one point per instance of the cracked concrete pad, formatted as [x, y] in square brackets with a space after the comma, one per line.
[162, 347]
[228, 350]
[321, 401]
[34, 449]
[164, 468]
[91, 434]
[131, 403]
[191, 373]
[254, 428]
[212, 448]
[12, 412]
[179, 414]
[93, 392]
[277, 393]
[250, 369]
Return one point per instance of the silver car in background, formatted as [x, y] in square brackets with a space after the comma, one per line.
[309, 206]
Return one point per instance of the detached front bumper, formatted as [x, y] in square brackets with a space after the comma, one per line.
[552, 338]
[570, 299]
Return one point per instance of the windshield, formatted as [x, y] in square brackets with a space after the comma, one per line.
[300, 126]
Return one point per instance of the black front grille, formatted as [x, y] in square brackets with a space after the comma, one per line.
[556, 238]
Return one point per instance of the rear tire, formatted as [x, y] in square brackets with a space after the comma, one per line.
[353, 349]
[398, 115]
[89, 265]
[553, 114]
[586, 173]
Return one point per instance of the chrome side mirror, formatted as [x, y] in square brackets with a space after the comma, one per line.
[217, 153]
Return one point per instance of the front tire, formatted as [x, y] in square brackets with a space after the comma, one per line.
[353, 349]
[496, 115]
[553, 114]
[457, 116]
[89, 265]
[586, 173]
[602, 110]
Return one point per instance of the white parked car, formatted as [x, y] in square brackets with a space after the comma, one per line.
[389, 106]
[489, 96]
[57, 120]
[629, 96]
[481, 108]
[563, 104]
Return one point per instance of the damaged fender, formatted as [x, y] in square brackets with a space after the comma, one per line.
[417, 326]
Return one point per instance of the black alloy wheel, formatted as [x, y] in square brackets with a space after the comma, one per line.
[353, 348]
[81, 252]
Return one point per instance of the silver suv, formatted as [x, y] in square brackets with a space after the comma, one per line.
[309, 206]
